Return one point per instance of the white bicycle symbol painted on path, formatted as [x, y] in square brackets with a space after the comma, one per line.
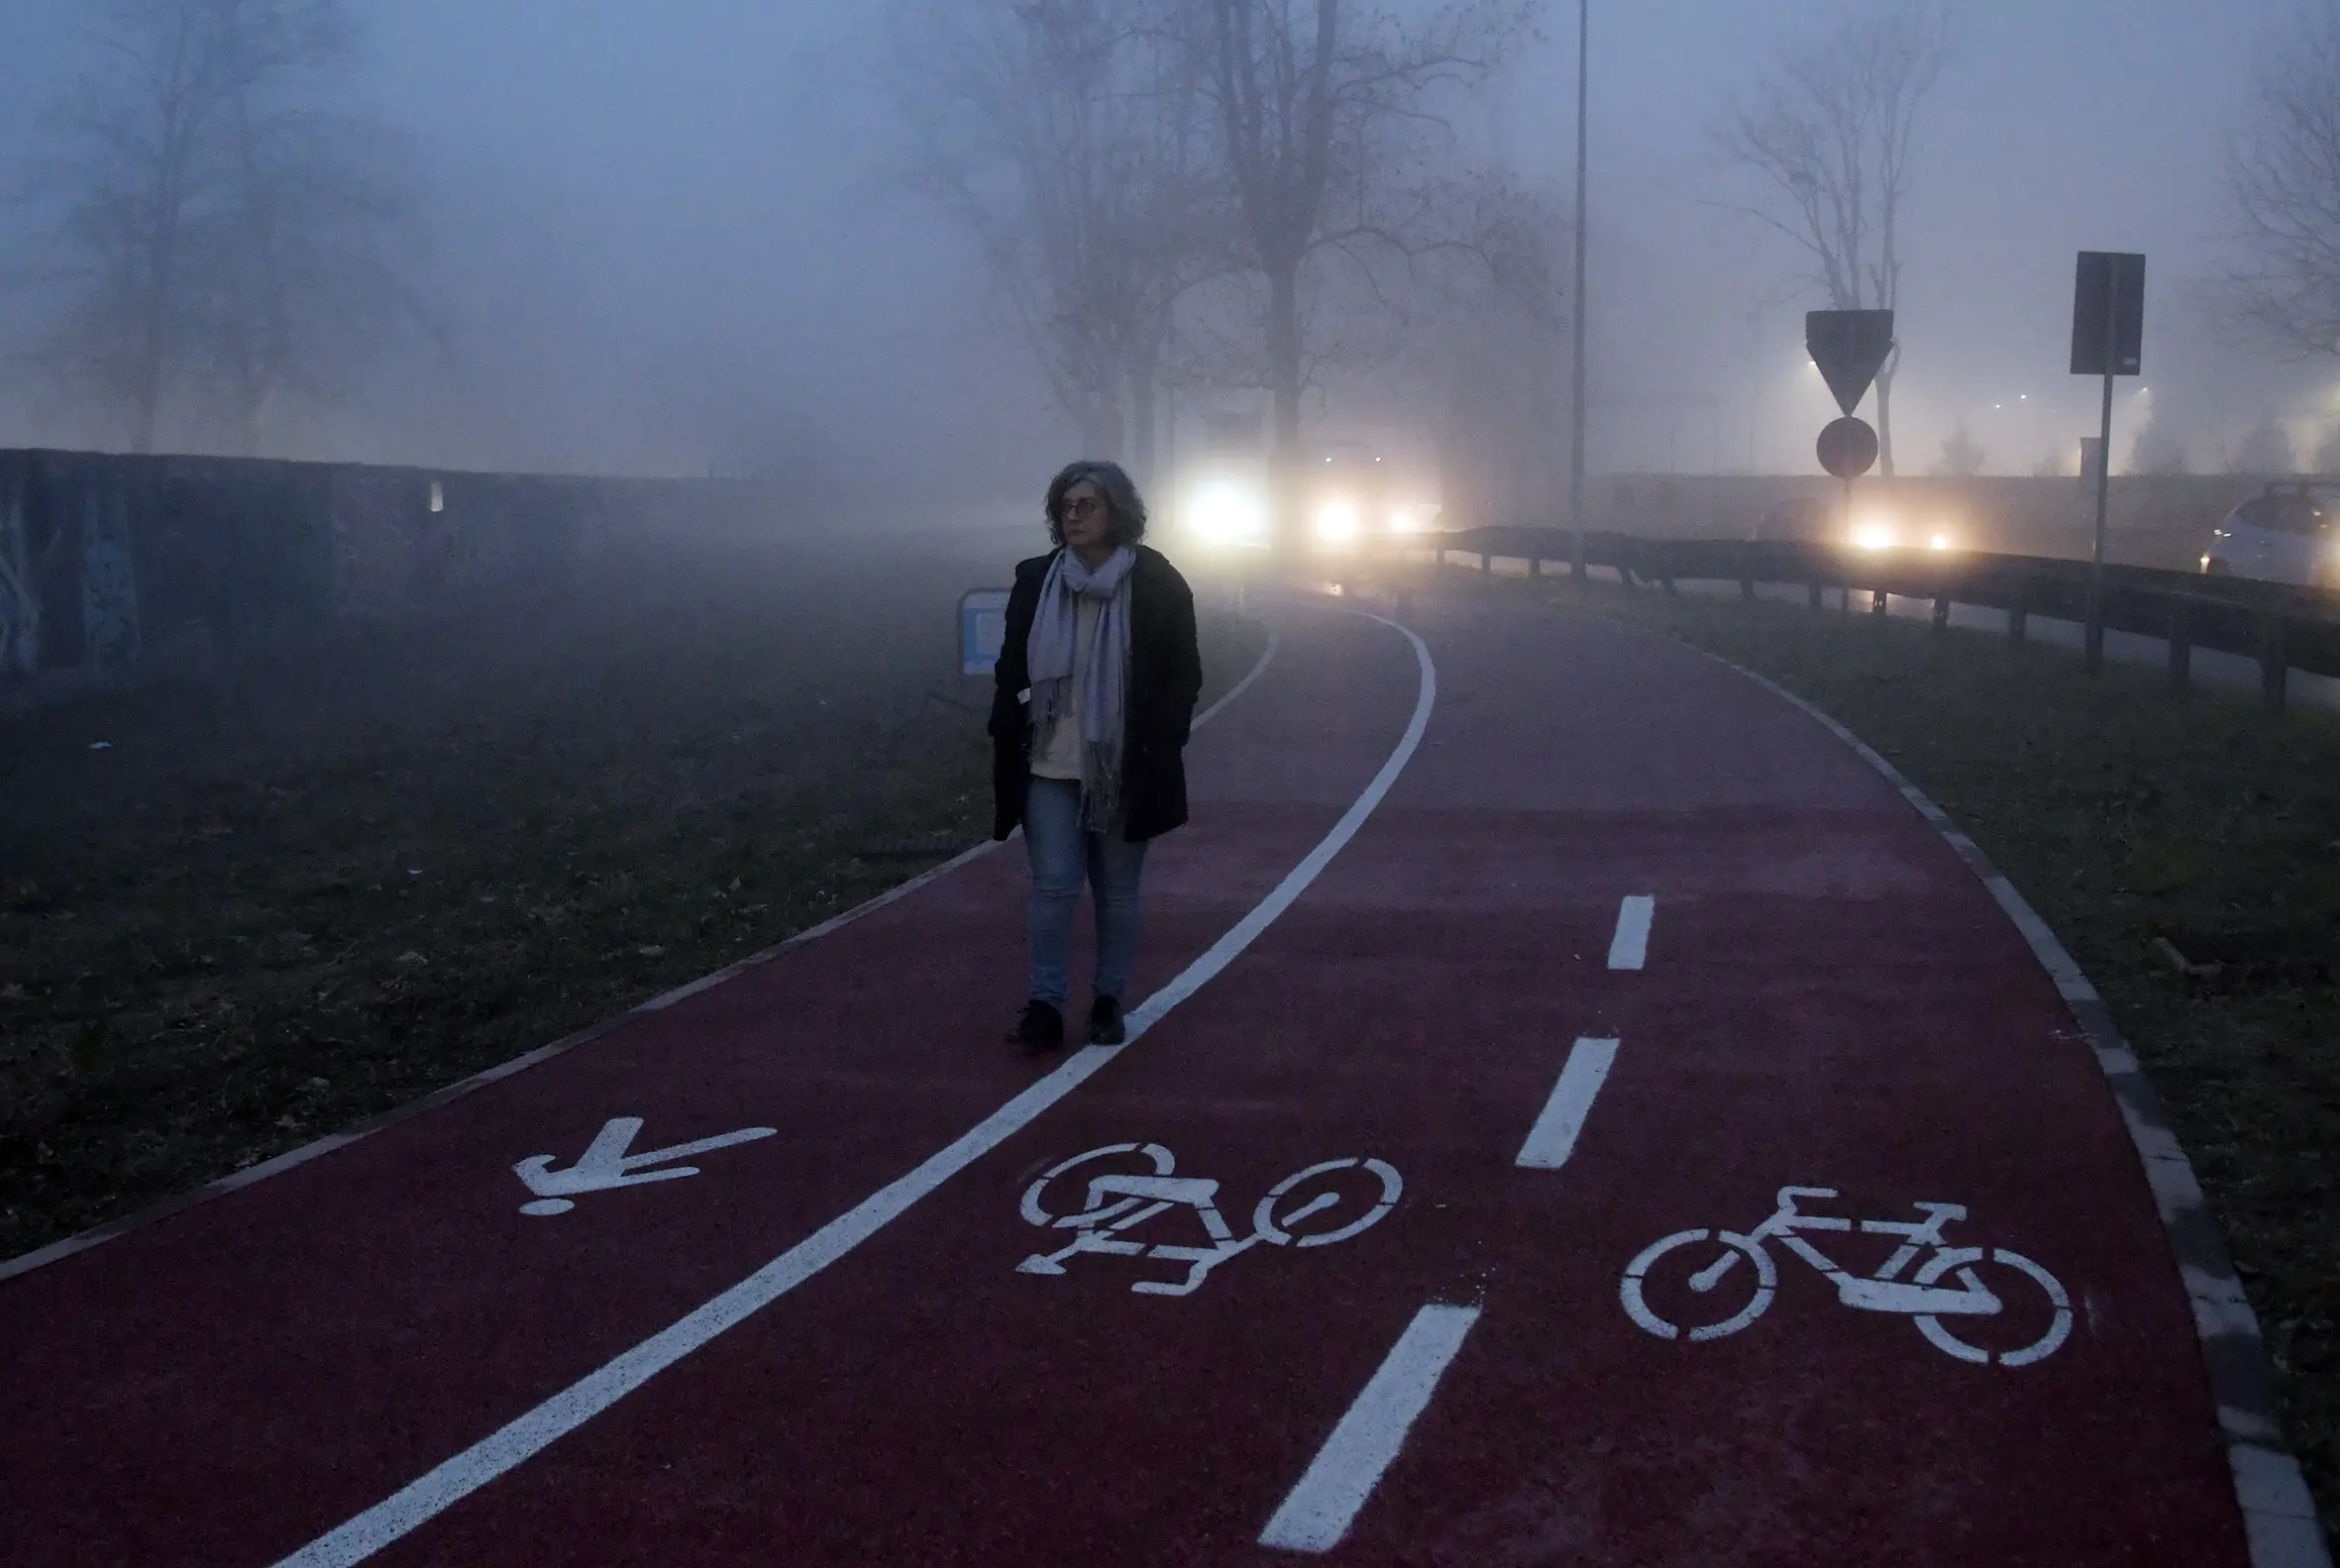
[1922, 1297]
[1361, 1190]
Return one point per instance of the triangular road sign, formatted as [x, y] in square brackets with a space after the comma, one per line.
[1850, 347]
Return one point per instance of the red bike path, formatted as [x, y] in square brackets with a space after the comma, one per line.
[1830, 999]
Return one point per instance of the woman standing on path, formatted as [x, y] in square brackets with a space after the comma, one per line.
[1096, 686]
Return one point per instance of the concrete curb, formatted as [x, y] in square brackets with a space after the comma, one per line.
[2278, 1514]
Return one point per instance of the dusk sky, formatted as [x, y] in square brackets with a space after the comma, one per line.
[649, 221]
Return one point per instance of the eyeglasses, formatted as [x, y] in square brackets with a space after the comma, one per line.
[1081, 506]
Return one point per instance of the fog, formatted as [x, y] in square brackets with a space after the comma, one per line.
[676, 238]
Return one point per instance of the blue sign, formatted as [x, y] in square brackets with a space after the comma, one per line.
[982, 628]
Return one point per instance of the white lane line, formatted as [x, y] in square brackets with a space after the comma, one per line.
[1554, 1137]
[458, 1478]
[306, 1152]
[1630, 947]
[1321, 1509]
[1239, 687]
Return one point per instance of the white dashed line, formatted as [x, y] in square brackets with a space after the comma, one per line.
[1630, 945]
[1554, 1137]
[1321, 1509]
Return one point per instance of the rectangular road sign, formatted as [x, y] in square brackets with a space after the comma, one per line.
[2108, 314]
[982, 628]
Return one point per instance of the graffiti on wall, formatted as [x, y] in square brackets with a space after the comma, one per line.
[20, 594]
[110, 561]
[109, 580]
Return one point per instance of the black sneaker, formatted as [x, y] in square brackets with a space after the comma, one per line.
[1105, 1023]
[1042, 1028]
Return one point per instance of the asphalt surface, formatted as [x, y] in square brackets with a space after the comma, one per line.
[1401, 1344]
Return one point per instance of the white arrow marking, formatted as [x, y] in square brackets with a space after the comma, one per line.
[605, 1164]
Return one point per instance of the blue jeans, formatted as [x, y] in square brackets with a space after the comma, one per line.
[1063, 856]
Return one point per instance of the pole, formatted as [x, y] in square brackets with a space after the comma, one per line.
[2094, 651]
[1576, 565]
[1168, 488]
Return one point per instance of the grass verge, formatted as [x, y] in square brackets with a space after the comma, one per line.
[295, 895]
[2137, 823]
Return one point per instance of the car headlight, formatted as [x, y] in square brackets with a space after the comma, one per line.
[1338, 522]
[1227, 514]
[1938, 542]
[1873, 536]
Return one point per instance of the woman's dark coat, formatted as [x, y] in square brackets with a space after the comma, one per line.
[1165, 677]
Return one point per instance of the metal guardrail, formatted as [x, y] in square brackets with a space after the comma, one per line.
[2281, 626]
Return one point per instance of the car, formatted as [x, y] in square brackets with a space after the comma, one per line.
[1879, 523]
[1350, 495]
[1227, 511]
[2290, 533]
[1356, 492]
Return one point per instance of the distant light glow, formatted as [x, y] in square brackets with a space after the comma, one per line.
[1873, 536]
[1229, 515]
[1938, 542]
[1336, 522]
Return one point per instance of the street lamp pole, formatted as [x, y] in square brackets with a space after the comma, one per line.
[1576, 564]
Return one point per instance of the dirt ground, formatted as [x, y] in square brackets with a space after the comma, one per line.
[240, 911]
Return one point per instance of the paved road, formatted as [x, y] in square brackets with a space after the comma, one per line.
[1491, 962]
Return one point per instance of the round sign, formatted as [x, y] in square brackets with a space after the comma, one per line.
[1848, 448]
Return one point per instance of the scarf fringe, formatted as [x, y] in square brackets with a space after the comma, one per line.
[1054, 625]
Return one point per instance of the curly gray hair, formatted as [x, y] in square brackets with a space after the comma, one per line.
[1120, 498]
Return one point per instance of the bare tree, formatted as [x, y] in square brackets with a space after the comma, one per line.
[2285, 174]
[1322, 114]
[1492, 341]
[1068, 136]
[219, 227]
[2158, 449]
[2327, 452]
[2266, 448]
[1962, 454]
[302, 283]
[1826, 140]
[127, 144]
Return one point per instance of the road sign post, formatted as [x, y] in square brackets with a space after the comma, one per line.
[1849, 348]
[2107, 340]
[1576, 411]
[1848, 447]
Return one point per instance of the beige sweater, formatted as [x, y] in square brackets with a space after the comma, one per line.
[1062, 759]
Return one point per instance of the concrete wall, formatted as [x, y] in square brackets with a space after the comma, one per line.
[112, 563]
